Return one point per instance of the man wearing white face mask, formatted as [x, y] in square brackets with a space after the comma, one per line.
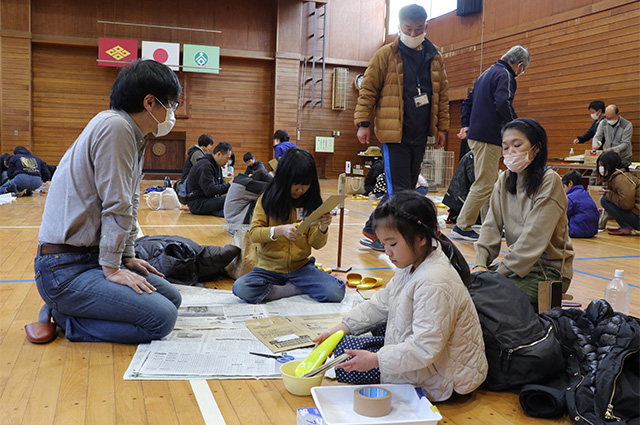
[596, 112]
[486, 109]
[405, 92]
[86, 271]
[614, 134]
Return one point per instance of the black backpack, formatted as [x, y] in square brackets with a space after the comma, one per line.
[520, 345]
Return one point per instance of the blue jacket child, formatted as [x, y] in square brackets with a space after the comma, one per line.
[582, 212]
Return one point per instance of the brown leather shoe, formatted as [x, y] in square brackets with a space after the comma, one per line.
[41, 332]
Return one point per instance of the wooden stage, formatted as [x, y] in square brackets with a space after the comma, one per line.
[81, 383]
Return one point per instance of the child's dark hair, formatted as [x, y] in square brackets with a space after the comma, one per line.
[535, 171]
[415, 216]
[296, 166]
[247, 157]
[572, 176]
[611, 162]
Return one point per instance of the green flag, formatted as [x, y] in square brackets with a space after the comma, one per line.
[197, 58]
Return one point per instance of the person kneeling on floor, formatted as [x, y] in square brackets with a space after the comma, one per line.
[529, 205]
[85, 269]
[206, 187]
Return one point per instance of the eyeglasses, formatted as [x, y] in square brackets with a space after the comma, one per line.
[174, 105]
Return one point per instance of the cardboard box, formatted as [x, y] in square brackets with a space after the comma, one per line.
[590, 156]
[594, 191]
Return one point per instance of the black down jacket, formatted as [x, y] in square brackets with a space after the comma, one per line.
[183, 261]
[463, 178]
[601, 383]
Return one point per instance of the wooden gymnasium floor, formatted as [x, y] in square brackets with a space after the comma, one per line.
[81, 383]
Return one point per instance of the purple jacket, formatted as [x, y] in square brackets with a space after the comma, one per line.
[582, 213]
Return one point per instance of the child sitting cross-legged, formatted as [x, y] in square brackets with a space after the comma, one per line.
[285, 267]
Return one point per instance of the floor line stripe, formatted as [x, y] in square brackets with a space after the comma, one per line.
[206, 402]
[612, 244]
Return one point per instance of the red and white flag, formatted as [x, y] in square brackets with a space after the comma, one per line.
[166, 53]
[116, 51]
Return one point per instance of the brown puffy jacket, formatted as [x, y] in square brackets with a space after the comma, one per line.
[382, 89]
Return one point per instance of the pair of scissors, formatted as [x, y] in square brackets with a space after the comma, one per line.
[282, 358]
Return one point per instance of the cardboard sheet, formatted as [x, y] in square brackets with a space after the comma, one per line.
[326, 207]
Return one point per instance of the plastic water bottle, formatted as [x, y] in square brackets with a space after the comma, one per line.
[571, 152]
[618, 293]
[167, 182]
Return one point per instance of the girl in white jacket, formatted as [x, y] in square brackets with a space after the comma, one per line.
[433, 337]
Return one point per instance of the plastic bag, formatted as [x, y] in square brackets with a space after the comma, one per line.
[165, 200]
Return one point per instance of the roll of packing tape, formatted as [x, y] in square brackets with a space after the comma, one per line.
[372, 401]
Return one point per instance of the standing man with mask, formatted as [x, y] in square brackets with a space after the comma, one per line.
[487, 108]
[614, 134]
[405, 92]
[85, 269]
[596, 112]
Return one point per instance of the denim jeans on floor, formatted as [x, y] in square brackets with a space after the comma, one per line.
[625, 218]
[22, 182]
[254, 286]
[92, 309]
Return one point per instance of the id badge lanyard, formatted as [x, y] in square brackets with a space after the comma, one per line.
[420, 99]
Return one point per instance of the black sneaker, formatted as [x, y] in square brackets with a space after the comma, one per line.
[467, 235]
[375, 245]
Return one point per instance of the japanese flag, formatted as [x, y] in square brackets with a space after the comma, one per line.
[166, 53]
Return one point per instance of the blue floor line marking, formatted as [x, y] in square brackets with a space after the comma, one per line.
[359, 213]
[17, 281]
[607, 258]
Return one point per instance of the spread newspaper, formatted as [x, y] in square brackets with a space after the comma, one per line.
[212, 341]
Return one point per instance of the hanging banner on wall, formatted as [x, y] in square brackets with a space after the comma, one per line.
[166, 53]
[116, 51]
[196, 58]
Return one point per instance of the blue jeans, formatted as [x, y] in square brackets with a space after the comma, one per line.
[254, 286]
[625, 218]
[92, 309]
[21, 182]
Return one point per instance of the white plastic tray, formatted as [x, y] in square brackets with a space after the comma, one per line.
[335, 403]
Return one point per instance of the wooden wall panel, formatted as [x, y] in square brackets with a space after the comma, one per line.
[70, 88]
[567, 71]
[15, 15]
[15, 91]
[285, 102]
[317, 121]
[355, 29]
[245, 24]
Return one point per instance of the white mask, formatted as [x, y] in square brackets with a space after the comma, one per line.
[411, 42]
[601, 170]
[612, 122]
[517, 162]
[165, 126]
[594, 116]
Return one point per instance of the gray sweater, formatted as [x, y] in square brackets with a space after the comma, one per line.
[536, 229]
[616, 137]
